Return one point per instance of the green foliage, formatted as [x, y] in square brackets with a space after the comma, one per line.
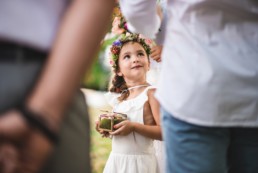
[98, 76]
[100, 147]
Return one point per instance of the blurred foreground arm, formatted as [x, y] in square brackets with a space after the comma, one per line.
[77, 41]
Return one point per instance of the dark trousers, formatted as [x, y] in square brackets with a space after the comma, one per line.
[19, 70]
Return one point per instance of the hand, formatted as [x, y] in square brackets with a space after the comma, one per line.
[13, 126]
[8, 158]
[103, 133]
[34, 152]
[156, 53]
[27, 147]
[123, 128]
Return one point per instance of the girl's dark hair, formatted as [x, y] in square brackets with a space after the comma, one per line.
[118, 84]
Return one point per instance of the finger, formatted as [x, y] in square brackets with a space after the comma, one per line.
[116, 132]
[34, 152]
[117, 126]
[155, 54]
[105, 134]
[9, 158]
[13, 126]
[156, 57]
[97, 122]
[153, 50]
[97, 126]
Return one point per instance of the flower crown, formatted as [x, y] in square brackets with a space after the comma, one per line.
[119, 25]
[118, 44]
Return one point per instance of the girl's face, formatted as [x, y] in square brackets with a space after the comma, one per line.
[133, 62]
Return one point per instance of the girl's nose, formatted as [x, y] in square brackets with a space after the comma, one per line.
[135, 59]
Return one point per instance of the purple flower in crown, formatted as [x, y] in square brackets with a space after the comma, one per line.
[117, 43]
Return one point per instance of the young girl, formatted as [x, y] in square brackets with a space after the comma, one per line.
[132, 142]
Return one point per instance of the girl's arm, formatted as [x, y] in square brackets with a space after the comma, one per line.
[151, 131]
[154, 104]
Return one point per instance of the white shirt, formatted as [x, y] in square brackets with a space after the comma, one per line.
[31, 22]
[138, 22]
[209, 72]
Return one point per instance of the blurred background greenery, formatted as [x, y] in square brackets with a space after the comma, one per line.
[96, 81]
[100, 147]
[98, 76]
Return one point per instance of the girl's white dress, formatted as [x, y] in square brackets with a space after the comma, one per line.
[133, 153]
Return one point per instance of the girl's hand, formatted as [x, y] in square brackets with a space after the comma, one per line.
[123, 128]
[104, 134]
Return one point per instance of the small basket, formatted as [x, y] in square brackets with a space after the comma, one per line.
[108, 120]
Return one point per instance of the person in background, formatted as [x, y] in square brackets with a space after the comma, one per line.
[208, 87]
[45, 48]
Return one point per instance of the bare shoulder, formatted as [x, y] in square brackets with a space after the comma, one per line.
[151, 93]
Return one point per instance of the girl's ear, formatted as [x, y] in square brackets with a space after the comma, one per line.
[119, 73]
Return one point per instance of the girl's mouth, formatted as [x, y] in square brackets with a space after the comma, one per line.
[137, 66]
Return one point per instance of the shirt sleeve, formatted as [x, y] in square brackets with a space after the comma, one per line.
[141, 16]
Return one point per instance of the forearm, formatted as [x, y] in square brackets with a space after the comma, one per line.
[153, 132]
[82, 28]
[142, 16]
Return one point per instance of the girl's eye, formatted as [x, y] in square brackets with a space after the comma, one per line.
[140, 54]
[126, 57]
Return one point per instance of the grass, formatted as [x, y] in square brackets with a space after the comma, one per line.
[100, 147]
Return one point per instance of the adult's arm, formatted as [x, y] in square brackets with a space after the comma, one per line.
[142, 16]
[77, 41]
[79, 35]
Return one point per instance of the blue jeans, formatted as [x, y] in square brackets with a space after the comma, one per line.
[196, 149]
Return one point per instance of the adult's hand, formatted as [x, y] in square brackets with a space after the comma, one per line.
[34, 152]
[8, 158]
[22, 149]
[156, 53]
[13, 126]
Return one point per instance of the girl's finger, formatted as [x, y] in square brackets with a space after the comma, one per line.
[116, 132]
[117, 126]
[97, 125]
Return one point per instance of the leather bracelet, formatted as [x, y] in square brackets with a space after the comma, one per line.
[38, 122]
